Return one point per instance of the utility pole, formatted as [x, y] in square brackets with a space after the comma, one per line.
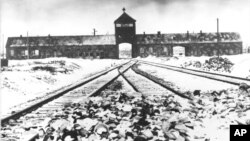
[94, 31]
[218, 38]
[28, 45]
[3, 47]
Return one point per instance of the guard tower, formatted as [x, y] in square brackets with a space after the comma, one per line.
[125, 32]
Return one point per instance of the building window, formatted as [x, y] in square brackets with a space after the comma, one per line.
[12, 53]
[125, 25]
[37, 52]
[226, 51]
[24, 52]
[165, 49]
[214, 52]
[141, 50]
[34, 52]
[231, 51]
[151, 50]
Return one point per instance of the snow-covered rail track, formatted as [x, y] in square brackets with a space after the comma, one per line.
[191, 107]
[209, 75]
[157, 81]
[37, 113]
[122, 101]
[148, 86]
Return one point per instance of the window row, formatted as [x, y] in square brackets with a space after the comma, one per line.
[24, 52]
[124, 25]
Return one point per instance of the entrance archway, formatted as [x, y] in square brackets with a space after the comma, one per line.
[178, 51]
[125, 50]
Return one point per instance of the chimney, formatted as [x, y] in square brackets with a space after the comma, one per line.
[144, 33]
[158, 33]
[21, 36]
[187, 34]
[201, 32]
[218, 35]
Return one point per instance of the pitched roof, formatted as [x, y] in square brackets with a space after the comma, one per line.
[110, 39]
[124, 18]
[62, 40]
[182, 38]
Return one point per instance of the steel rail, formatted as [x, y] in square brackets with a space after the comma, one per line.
[56, 95]
[128, 81]
[163, 85]
[97, 92]
[182, 70]
[229, 76]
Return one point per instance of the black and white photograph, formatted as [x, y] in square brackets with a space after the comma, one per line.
[125, 70]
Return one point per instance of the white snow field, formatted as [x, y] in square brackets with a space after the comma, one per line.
[25, 80]
[241, 67]
[186, 82]
[211, 115]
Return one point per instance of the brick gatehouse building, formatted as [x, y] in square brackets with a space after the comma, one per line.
[110, 46]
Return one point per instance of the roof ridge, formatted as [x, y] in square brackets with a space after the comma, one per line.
[125, 16]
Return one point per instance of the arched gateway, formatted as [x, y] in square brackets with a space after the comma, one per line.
[125, 33]
[125, 50]
[178, 51]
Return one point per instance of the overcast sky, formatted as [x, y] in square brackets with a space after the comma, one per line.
[79, 17]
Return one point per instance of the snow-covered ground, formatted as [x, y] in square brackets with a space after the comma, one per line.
[186, 82]
[241, 63]
[214, 112]
[25, 80]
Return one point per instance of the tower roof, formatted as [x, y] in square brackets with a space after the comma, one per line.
[124, 18]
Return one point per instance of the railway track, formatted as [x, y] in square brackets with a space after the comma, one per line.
[157, 94]
[144, 85]
[194, 105]
[47, 109]
[154, 93]
[56, 94]
[214, 76]
[35, 113]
